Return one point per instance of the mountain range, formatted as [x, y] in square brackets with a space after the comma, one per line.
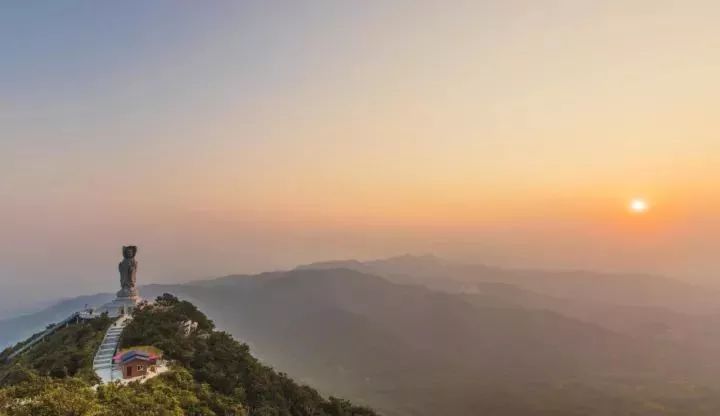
[419, 335]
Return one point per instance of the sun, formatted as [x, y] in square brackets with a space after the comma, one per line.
[639, 206]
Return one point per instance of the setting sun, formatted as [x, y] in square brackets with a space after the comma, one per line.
[639, 206]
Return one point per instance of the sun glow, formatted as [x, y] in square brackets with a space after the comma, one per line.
[639, 206]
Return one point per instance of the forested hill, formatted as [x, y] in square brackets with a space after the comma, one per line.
[211, 374]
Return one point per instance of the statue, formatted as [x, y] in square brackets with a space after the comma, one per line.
[128, 271]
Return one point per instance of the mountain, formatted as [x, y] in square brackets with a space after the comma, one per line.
[209, 373]
[396, 335]
[655, 308]
[652, 307]
[409, 350]
[582, 286]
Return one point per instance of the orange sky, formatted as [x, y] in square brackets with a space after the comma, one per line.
[244, 137]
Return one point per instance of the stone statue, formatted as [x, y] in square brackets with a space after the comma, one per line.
[128, 271]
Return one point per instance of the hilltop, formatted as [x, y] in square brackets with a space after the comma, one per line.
[211, 373]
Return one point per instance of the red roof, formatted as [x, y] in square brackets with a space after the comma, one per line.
[134, 355]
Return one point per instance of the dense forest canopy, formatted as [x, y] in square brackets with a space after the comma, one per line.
[212, 374]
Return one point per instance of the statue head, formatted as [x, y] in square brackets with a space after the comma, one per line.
[129, 251]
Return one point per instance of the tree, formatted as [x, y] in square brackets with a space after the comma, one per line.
[45, 396]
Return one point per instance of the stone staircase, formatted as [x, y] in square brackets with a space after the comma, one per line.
[103, 362]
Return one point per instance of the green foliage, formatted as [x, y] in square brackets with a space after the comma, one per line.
[45, 396]
[213, 374]
[66, 353]
[228, 377]
[140, 399]
[160, 325]
[5, 354]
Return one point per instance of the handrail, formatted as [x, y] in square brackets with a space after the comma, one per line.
[42, 336]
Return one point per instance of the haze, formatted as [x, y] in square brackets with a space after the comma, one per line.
[245, 136]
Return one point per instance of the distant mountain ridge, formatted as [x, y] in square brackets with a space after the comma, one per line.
[652, 307]
[620, 289]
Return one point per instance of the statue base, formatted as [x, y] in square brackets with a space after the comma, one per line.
[127, 293]
[122, 305]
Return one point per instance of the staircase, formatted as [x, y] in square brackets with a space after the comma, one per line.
[103, 362]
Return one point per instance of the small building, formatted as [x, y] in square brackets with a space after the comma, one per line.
[135, 363]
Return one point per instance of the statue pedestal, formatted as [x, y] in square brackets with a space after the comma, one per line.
[119, 306]
[129, 293]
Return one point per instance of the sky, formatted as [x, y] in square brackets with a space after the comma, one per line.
[242, 136]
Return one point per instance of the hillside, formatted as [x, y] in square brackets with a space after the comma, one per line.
[66, 353]
[408, 350]
[15, 329]
[211, 374]
[665, 312]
